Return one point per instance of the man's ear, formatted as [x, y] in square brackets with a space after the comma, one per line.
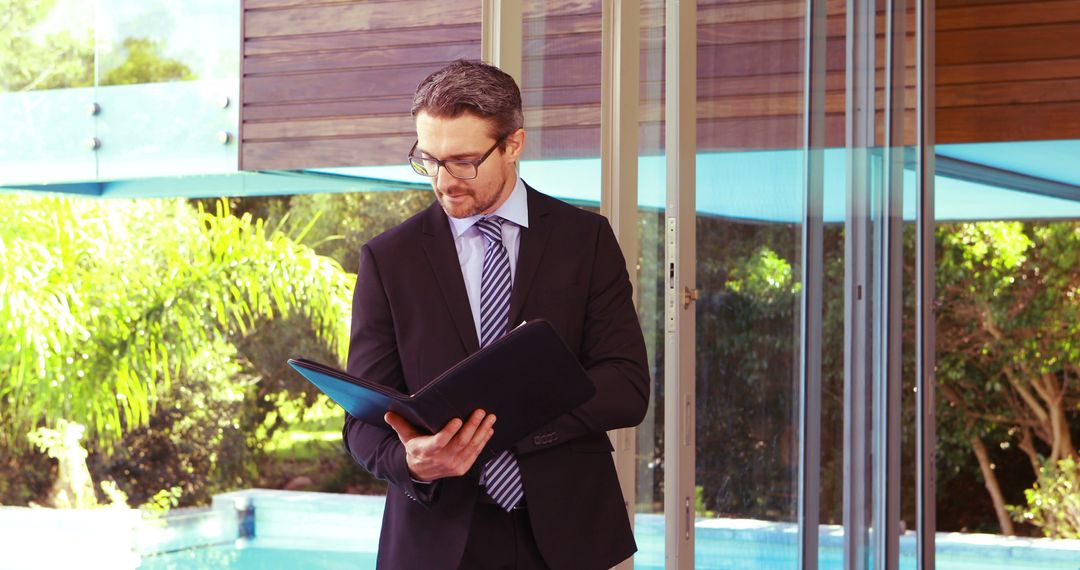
[515, 145]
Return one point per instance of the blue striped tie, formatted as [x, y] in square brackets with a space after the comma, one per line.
[500, 476]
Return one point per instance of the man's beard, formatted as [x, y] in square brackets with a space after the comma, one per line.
[481, 207]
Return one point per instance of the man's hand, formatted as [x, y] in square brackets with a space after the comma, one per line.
[449, 453]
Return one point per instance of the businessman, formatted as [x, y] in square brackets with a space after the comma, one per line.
[491, 252]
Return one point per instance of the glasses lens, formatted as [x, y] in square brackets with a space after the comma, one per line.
[423, 167]
[460, 169]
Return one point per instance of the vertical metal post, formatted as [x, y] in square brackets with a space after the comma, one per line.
[500, 35]
[860, 138]
[619, 83]
[889, 302]
[620, 53]
[926, 353]
[809, 487]
[680, 265]
[240, 92]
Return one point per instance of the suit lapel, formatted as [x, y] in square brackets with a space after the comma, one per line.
[533, 242]
[442, 255]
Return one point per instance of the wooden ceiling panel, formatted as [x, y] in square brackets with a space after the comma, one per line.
[353, 16]
[1007, 71]
[368, 39]
[341, 74]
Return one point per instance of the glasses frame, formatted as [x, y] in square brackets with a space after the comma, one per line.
[442, 163]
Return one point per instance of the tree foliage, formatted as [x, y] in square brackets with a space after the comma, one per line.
[198, 439]
[1053, 502]
[32, 58]
[31, 61]
[145, 64]
[346, 220]
[106, 302]
[746, 356]
[1008, 324]
[1008, 350]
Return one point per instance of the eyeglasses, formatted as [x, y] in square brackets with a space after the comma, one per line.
[460, 169]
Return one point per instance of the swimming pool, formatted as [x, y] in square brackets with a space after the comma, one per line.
[266, 529]
[247, 557]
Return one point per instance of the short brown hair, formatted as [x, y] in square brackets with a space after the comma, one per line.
[474, 87]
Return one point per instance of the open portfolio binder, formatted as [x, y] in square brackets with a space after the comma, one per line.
[527, 378]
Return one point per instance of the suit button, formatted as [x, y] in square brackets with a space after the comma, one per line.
[545, 439]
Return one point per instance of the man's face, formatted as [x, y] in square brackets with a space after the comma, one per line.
[467, 137]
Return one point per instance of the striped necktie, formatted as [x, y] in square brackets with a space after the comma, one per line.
[500, 476]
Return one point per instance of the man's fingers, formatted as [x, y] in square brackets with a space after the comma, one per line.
[447, 433]
[462, 438]
[404, 429]
[451, 451]
[480, 438]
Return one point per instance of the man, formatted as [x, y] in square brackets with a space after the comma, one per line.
[489, 253]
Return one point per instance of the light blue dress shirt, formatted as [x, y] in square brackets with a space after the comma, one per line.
[470, 243]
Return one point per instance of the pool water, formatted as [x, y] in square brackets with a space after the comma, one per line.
[251, 557]
[270, 530]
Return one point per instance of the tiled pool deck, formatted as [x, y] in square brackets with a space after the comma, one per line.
[342, 531]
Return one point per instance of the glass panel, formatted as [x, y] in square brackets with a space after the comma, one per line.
[877, 450]
[46, 92]
[1008, 212]
[169, 87]
[560, 87]
[156, 41]
[830, 551]
[649, 520]
[830, 540]
[749, 207]
[909, 394]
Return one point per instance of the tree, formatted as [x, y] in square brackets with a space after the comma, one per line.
[144, 64]
[346, 220]
[65, 59]
[746, 357]
[1008, 356]
[52, 61]
[105, 302]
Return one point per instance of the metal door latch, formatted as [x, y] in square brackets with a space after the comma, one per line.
[689, 296]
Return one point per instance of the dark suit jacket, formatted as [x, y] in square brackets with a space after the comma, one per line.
[411, 321]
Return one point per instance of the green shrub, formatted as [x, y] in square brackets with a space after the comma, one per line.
[1053, 502]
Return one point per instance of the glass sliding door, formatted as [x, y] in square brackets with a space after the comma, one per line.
[650, 523]
[560, 92]
[1008, 205]
[882, 325]
[749, 205]
[780, 281]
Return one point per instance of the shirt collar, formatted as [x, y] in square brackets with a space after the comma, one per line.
[514, 209]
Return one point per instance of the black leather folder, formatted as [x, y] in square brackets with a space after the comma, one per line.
[527, 378]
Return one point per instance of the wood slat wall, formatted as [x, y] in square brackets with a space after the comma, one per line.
[560, 78]
[329, 83]
[1008, 71]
